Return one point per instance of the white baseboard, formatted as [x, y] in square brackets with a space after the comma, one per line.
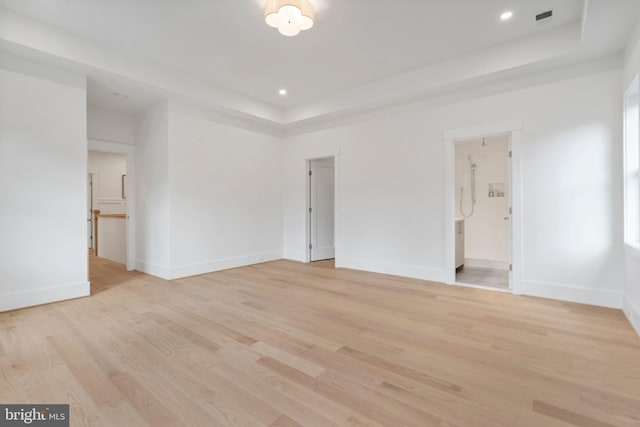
[485, 263]
[153, 269]
[22, 299]
[222, 264]
[294, 255]
[560, 292]
[633, 314]
[412, 271]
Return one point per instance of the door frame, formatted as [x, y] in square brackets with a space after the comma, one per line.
[513, 129]
[336, 205]
[89, 211]
[130, 224]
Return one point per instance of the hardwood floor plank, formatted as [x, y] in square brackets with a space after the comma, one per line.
[426, 379]
[151, 409]
[285, 421]
[334, 411]
[289, 344]
[186, 381]
[86, 371]
[346, 397]
[298, 363]
[568, 416]
[302, 413]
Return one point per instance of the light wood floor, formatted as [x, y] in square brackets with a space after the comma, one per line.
[288, 344]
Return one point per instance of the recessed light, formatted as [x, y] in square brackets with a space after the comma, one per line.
[282, 92]
[120, 95]
[506, 15]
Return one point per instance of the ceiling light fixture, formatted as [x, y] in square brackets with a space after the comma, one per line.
[506, 15]
[289, 16]
[282, 92]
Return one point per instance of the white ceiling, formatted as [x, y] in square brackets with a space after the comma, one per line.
[353, 42]
[226, 44]
[101, 94]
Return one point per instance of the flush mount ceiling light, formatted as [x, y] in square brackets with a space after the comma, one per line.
[282, 92]
[289, 16]
[506, 15]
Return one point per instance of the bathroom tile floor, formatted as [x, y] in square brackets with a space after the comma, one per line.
[490, 277]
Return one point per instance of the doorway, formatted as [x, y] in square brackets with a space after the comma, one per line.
[110, 172]
[509, 206]
[108, 205]
[482, 214]
[321, 208]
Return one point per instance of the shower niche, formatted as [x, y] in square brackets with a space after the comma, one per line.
[496, 190]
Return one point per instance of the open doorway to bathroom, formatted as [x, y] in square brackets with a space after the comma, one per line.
[483, 211]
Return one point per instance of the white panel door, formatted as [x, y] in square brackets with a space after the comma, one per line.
[322, 201]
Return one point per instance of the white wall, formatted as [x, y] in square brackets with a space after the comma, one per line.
[110, 126]
[632, 256]
[225, 194]
[390, 201]
[486, 231]
[152, 191]
[43, 167]
[112, 242]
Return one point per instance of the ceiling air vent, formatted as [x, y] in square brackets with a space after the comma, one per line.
[544, 16]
